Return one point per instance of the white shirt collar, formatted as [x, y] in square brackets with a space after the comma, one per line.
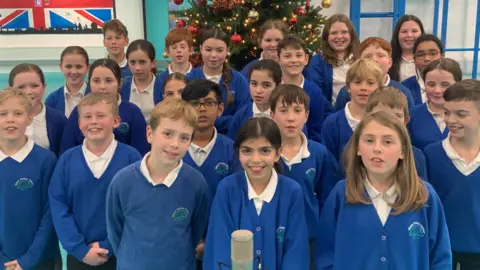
[215, 78]
[388, 80]
[169, 179]
[80, 93]
[41, 117]
[261, 57]
[459, 162]
[302, 153]
[408, 61]
[421, 83]
[258, 113]
[170, 71]
[267, 194]
[91, 157]
[124, 62]
[352, 122]
[389, 196]
[149, 88]
[207, 149]
[22, 154]
[302, 83]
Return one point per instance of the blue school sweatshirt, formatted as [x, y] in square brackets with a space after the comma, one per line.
[132, 129]
[246, 69]
[156, 227]
[77, 199]
[126, 90]
[343, 97]
[26, 229]
[126, 72]
[413, 240]
[220, 163]
[459, 195]
[412, 84]
[321, 73]
[420, 163]
[56, 99]
[240, 90]
[317, 175]
[320, 108]
[336, 133]
[280, 231]
[422, 127]
[56, 122]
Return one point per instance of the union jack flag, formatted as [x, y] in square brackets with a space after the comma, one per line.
[43, 14]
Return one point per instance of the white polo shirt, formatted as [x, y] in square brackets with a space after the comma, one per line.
[169, 179]
[22, 154]
[37, 131]
[98, 164]
[143, 98]
[266, 195]
[200, 154]
[382, 201]
[459, 162]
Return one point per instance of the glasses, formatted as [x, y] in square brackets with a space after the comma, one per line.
[431, 54]
[209, 103]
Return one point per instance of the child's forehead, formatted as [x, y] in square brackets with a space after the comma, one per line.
[112, 32]
[178, 125]
[462, 105]
[100, 106]
[282, 102]
[292, 49]
[179, 42]
[375, 47]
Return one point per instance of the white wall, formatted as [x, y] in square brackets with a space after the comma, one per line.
[461, 22]
[45, 50]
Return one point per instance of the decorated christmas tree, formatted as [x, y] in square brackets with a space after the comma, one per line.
[242, 19]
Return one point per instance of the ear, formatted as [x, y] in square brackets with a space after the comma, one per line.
[191, 51]
[277, 154]
[272, 114]
[116, 121]
[390, 63]
[154, 63]
[149, 134]
[307, 113]
[127, 41]
[407, 119]
[220, 109]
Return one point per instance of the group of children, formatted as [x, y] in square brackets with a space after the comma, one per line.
[156, 171]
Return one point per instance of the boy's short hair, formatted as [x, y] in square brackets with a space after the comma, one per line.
[291, 42]
[466, 90]
[289, 94]
[364, 69]
[116, 26]
[178, 35]
[174, 109]
[376, 41]
[100, 97]
[15, 92]
[198, 89]
[389, 96]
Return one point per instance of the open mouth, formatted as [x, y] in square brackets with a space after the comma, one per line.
[257, 169]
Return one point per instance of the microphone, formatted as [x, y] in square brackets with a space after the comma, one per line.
[242, 250]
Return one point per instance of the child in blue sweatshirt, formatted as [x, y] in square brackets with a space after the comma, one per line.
[74, 66]
[328, 69]
[214, 49]
[379, 50]
[48, 124]
[27, 237]
[77, 192]
[271, 32]
[115, 39]
[427, 48]
[157, 208]
[392, 100]
[264, 76]
[173, 86]
[427, 124]
[305, 161]
[383, 215]
[260, 200]
[454, 171]
[142, 89]
[293, 57]
[363, 77]
[104, 76]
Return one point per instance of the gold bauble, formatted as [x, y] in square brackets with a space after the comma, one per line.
[326, 3]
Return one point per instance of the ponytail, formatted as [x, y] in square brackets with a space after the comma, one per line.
[226, 73]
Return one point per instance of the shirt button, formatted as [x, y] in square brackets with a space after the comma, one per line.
[259, 229]
[258, 252]
[384, 237]
[383, 259]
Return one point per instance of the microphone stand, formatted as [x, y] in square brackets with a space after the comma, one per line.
[257, 266]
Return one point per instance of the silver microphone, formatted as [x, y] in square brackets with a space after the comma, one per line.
[242, 250]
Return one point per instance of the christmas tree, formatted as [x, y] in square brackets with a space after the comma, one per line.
[242, 19]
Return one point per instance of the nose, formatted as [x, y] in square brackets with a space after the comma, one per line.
[255, 158]
[174, 142]
[290, 117]
[364, 86]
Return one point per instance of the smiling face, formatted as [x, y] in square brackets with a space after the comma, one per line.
[409, 32]
[379, 55]
[339, 37]
[97, 122]
[361, 89]
[170, 141]
[380, 148]
[32, 85]
[462, 119]
[14, 119]
[269, 43]
[426, 52]
[293, 61]
[257, 157]
[103, 80]
[74, 68]
[436, 82]
[214, 53]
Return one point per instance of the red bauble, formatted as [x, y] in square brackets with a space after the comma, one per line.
[178, 2]
[181, 23]
[307, 4]
[192, 29]
[300, 11]
[292, 20]
[236, 39]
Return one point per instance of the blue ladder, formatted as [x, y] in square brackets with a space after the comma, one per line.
[356, 14]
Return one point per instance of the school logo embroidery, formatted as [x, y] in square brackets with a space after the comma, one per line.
[24, 184]
[180, 214]
[416, 230]
[124, 128]
[280, 234]
[221, 168]
[310, 174]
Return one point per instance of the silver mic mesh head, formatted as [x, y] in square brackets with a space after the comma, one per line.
[242, 245]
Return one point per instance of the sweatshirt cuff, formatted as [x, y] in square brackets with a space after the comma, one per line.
[80, 252]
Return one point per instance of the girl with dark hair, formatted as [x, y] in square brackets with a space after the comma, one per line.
[142, 89]
[105, 76]
[260, 200]
[214, 49]
[406, 31]
[427, 48]
[328, 69]
[173, 85]
[74, 64]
